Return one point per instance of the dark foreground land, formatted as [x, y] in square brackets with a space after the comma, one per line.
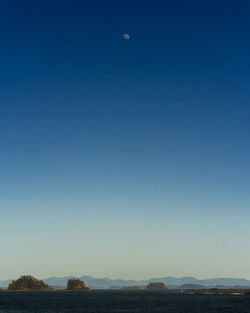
[121, 301]
[220, 291]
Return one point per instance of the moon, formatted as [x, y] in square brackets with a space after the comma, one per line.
[126, 36]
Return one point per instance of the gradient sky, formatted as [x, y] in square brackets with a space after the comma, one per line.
[125, 158]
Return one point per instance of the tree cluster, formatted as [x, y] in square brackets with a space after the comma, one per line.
[76, 284]
[28, 283]
[157, 285]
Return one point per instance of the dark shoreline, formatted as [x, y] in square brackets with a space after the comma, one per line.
[210, 291]
[218, 291]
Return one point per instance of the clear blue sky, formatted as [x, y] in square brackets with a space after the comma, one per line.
[125, 158]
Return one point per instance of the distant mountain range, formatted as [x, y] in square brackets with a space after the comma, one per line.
[170, 282]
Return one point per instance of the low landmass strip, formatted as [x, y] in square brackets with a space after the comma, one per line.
[28, 283]
[131, 288]
[219, 291]
[76, 284]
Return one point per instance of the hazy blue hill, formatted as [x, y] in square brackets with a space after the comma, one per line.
[5, 283]
[228, 281]
[106, 282]
[205, 282]
[191, 286]
[58, 281]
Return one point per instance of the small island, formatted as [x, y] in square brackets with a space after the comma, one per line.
[76, 284]
[28, 283]
[156, 286]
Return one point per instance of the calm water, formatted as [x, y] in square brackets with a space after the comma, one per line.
[121, 301]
